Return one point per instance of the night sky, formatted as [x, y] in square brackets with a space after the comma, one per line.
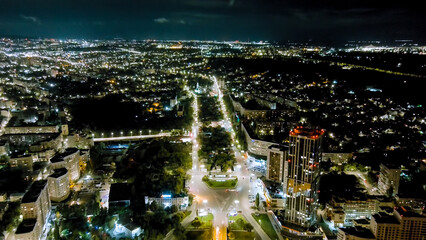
[295, 20]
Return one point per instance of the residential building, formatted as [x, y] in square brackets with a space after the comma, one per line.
[403, 224]
[354, 233]
[70, 159]
[389, 179]
[35, 208]
[59, 185]
[28, 229]
[303, 161]
[23, 160]
[276, 163]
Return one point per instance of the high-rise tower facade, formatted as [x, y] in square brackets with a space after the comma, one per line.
[303, 160]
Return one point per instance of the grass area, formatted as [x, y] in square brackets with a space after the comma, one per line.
[244, 235]
[199, 235]
[236, 224]
[206, 222]
[220, 184]
[265, 223]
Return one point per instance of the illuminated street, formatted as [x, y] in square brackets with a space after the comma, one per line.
[221, 202]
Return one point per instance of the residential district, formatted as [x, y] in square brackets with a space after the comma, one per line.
[118, 139]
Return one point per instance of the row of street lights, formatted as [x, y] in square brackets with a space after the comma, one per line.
[131, 133]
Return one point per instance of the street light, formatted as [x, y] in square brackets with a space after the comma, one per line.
[131, 133]
[150, 132]
[121, 133]
[140, 132]
[112, 134]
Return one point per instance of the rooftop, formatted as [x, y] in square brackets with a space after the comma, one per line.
[60, 157]
[361, 221]
[279, 147]
[307, 132]
[26, 226]
[360, 232]
[119, 192]
[407, 212]
[58, 172]
[385, 218]
[34, 192]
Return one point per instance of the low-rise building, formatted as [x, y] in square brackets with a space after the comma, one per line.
[354, 208]
[166, 200]
[337, 158]
[23, 160]
[256, 146]
[31, 129]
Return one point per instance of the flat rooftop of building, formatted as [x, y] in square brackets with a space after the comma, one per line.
[280, 147]
[362, 221]
[58, 173]
[408, 212]
[386, 209]
[34, 192]
[19, 154]
[26, 226]
[119, 192]
[307, 132]
[383, 217]
[15, 122]
[60, 156]
[360, 232]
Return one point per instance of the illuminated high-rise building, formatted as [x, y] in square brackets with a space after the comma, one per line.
[276, 163]
[303, 160]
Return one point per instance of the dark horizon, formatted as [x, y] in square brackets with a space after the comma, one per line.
[222, 20]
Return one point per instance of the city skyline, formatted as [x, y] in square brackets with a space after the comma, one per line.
[212, 120]
[229, 20]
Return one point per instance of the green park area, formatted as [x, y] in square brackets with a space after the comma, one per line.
[202, 222]
[265, 223]
[220, 184]
[238, 222]
[239, 228]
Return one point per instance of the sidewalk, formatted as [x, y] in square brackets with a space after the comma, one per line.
[275, 224]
